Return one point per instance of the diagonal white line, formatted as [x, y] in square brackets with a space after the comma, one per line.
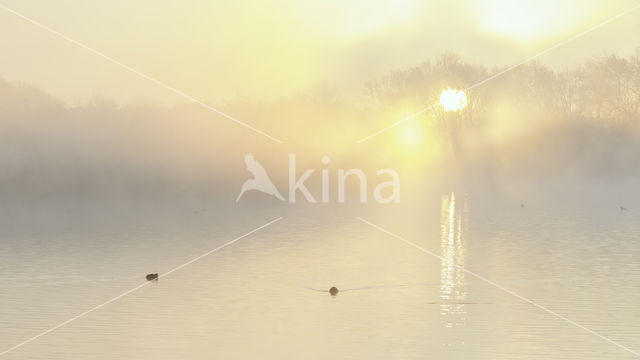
[529, 59]
[410, 117]
[136, 288]
[141, 74]
[498, 286]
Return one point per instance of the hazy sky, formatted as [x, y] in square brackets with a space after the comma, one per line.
[223, 50]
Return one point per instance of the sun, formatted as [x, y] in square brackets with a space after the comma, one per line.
[453, 100]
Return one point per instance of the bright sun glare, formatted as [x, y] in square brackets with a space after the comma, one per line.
[524, 20]
[453, 100]
[411, 134]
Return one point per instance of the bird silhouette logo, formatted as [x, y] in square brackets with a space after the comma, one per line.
[260, 181]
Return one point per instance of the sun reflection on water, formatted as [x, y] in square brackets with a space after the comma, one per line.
[452, 280]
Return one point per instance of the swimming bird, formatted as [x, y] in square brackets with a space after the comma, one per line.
[333, 291]
[152, 276]
[622, 208]
[260, 181]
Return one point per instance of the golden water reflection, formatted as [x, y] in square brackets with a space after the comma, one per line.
[452, 281]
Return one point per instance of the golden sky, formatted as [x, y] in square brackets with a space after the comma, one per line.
[224, 50]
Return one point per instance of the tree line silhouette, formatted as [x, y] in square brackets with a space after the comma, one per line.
[529, 119]
[531, 122]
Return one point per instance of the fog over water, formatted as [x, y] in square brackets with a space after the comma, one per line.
[534, 186]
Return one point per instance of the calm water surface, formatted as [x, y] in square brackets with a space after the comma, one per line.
[262, 296]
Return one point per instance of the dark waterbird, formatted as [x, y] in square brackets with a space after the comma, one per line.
[334, 291]
[152, 276]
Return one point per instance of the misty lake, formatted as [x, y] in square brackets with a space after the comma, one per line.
[265, 297]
